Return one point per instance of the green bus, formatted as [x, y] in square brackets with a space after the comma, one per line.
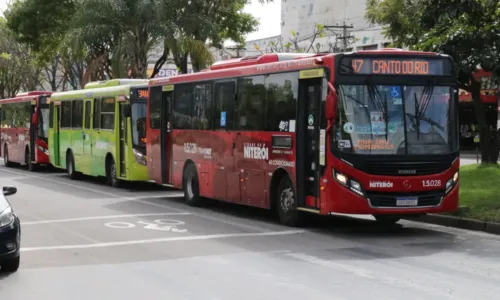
[100, 131]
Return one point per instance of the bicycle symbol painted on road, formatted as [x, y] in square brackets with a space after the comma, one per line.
[160, 224]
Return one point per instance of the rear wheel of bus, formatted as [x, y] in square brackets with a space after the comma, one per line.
[286, 203]
[70, 166]
[191, 186]
[111, 173]
[6, 160]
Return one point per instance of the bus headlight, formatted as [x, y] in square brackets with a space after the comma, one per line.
[139, 157]
[349, 183]
[451, 183]
[46, 151]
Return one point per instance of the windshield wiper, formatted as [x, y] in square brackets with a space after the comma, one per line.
[378, 103]
[421, 109]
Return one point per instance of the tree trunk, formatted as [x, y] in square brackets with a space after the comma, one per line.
[487, 136]
[183, 67]
[159, 63]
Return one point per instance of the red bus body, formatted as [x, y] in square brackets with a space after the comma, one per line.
[24, 129]
[247, 166]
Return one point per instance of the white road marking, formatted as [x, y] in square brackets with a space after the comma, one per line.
[206, 217]
[162, 240]
[116, 196]
[102, 218]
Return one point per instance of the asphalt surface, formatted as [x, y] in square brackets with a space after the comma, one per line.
[84, 240]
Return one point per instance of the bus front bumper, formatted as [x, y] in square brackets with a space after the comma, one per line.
[344, 201]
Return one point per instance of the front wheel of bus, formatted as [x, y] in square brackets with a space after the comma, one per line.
[287, 204]
[191, 186]
[112, 175]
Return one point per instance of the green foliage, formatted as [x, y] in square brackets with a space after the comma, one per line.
[479, 192]
[467, 30]
[17, 68]
[40, 24]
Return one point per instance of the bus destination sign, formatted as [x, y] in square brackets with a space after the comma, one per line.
[142, 94]
[394, 66]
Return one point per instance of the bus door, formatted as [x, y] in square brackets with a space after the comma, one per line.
[122, 137]
[166, 157]
[308, 133]
[33, 131]
[57, 127]
[87, 137]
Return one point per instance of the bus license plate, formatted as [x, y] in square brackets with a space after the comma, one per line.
[407, 201]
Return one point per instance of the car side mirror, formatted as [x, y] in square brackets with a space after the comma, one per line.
[331, 103]
[9, 190]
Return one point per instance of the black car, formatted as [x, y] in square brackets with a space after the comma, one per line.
[10, 233]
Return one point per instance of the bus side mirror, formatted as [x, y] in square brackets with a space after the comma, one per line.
[35, 118]
[127, 111]
[331, 103]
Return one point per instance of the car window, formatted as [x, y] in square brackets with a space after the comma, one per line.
[3, 203]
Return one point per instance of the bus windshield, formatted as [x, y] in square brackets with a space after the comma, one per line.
[139, 123]
[388, 119]
[43, 121]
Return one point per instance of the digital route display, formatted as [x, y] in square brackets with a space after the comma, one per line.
[395, 66]
[142, 94]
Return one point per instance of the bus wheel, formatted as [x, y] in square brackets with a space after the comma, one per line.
[386, 219]
[6, 160]
[191, 186]
[70, 166]
[287, 204]
[111, 174]
[27, 159]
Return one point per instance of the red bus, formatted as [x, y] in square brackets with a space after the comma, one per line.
[24, 129]
[369, 132]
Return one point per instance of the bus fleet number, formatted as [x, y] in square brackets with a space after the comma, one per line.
[431, 183]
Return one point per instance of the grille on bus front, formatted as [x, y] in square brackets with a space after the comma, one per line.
[378, 199]
[391, 168]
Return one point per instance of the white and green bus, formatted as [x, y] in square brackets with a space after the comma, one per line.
[100, 131]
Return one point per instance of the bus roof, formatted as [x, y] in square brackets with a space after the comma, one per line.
[25, 96]
[273, 62]
[114, 82]
[119, 90]
[34, 93]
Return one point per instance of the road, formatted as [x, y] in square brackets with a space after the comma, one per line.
[84, 240]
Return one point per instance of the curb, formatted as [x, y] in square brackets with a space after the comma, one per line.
[457, 222]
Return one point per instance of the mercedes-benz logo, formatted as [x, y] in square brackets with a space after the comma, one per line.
[407, 184]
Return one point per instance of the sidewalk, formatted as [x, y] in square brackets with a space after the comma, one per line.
[471, 155]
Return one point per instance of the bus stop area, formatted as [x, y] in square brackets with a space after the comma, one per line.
[82, 234]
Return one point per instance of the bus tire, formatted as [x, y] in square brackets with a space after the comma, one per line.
[6, 160]
[286, 204]
[70, 166]
[111, 174]
[191, 186]
[386, 220]
[27, 159]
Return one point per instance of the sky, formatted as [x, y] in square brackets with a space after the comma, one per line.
[268, 15]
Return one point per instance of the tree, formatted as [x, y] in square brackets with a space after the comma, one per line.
[119, 33]
[198, 25]
[43, 26]
[466, 30]
[17, 68]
